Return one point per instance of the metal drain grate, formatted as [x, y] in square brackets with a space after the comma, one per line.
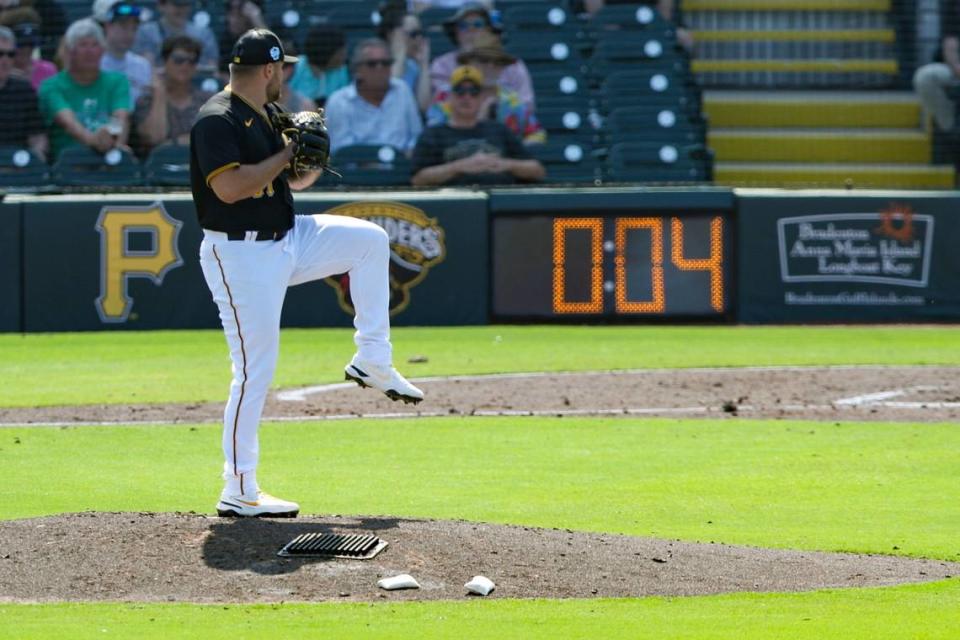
[334, 545]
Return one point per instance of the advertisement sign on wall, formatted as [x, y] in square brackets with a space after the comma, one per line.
[848, 257]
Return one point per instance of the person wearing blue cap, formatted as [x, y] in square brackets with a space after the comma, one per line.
[120, 20]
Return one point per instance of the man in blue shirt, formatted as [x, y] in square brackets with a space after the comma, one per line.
[375, 109]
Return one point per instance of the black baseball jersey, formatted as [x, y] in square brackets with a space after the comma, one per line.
[230, 132]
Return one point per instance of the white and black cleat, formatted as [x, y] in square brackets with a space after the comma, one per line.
[263, 505]
[385, 378]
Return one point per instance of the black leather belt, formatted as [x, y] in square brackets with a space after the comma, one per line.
[261, 235]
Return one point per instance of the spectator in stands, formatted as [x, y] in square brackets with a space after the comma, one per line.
[175, 20]
[666, 8]
[26, 66]
[83, 105]
[931, 81]
[20, 121]
[291, 99]
[463, 28]
[322, 68]
[376, 108]
[242, 15]
[47, 15]
[468, 150]
[166, 111]
[410, 50]
[498, 103]
[120, 20]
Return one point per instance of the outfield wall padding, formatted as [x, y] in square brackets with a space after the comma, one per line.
[632, 254]
[131, 262]
[10, 271]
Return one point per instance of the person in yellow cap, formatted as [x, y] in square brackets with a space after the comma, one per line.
[468, 150]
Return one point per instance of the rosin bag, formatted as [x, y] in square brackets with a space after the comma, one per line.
[480, 585]
[402, 581]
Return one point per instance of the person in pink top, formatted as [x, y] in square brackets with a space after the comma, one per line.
[463, 28]
[25, 65]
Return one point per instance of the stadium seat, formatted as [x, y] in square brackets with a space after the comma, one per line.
[658, 162]
[567, 161]
[283, 14]
[207, 82]
[82, 166]
[645, 123]
[168, 165]
[212, 14]
[20, 168]
[506, 5]
[432, 18]
[528, 19]
[355, 16]
[642, 52]
[569, 123]
[650, 86]
[75, 9]
[372, 165]
[632, 17]
[545, 52]
[561, 89]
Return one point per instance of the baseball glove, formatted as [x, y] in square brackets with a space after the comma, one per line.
[308, 132]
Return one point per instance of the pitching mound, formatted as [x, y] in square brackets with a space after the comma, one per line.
[181, 557]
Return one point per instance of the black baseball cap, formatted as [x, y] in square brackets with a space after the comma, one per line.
[259, 46]
[27, 34]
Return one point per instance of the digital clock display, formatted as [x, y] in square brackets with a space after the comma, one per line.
[582, 266]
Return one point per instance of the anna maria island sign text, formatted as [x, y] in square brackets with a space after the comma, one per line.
[855, 247]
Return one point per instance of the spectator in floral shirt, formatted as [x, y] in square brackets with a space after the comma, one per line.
[500, 103]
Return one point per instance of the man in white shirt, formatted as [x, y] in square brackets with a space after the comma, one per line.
[375, 108]
[120, 20]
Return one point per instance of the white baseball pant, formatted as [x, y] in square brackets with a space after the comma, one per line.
[249, 279]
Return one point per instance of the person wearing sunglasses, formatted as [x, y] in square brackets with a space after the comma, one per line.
[410, 49]
[468, 150]
[472, 21]
[26, 65]
[83, 105]
[120, 21]
[376, 108]
[20, 122]
[165, 113]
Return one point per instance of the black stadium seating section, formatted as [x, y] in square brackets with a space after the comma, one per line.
[614, 93]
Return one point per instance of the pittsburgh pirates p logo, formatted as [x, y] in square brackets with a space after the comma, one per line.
[119, 263]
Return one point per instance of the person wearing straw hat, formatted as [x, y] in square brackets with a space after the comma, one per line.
[463, 29]
[500, 103]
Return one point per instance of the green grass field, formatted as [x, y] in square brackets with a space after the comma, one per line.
[867, 487]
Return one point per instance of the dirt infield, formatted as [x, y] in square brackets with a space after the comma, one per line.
[189, 557]
[916, 394]
[164, 557]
